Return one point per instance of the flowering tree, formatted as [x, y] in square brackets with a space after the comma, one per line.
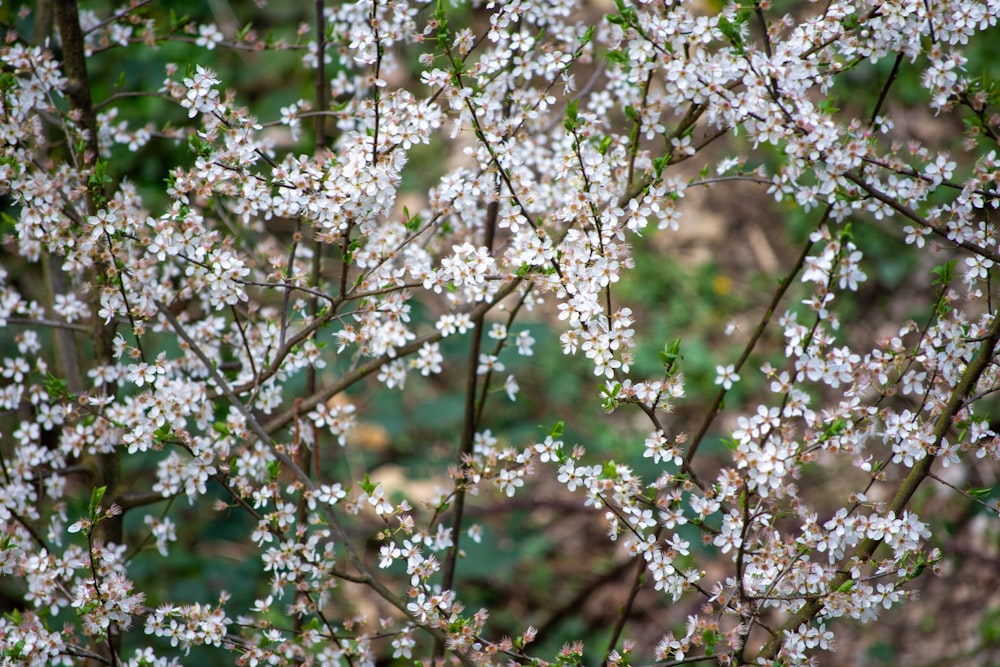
[204, 345]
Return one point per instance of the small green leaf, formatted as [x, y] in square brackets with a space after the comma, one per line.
[835, 428]
[605, 144]
[659, 164]
[56, 387]
[572, 115]
[943, 273]
[176, 21]
[616, 56]
[367, 485]
[671, 353]
[96, 496]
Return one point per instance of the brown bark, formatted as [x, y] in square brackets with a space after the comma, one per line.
[75, 358]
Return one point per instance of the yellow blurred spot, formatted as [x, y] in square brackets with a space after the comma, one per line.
[722, 285]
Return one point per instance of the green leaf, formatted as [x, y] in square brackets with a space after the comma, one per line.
[671, 353]
[605, 144]
[7, 223]
[367, 485]
[731, 28]
[176, 21]
[828, 106]
[572, 117]
[610, 391]
[413, 222]
[56, 387]
[943, 273]
[847, 233]
[17, 651]
[835, 428]
[616, 56]
[659, 164]
[96, 496]
[99, 177]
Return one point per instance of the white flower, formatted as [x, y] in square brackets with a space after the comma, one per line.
[511, 387]
[209, 36]
[378, 500]
[726, 376]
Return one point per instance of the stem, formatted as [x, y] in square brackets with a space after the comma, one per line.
[913, 215]
[776, 298]
[66, 344]
[623, 615]
[469, 427]
[317, 256]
